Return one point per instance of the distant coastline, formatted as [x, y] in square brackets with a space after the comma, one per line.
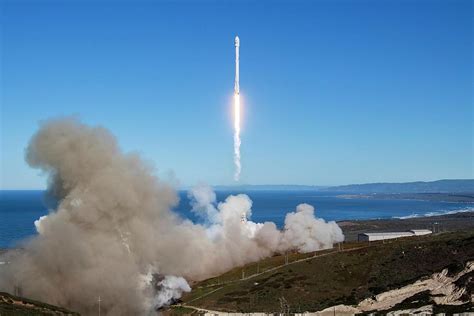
[450, 186]
[441, 197]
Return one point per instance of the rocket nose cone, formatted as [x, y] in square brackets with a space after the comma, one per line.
[237, 41]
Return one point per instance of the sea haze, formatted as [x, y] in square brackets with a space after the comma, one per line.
[19, 209]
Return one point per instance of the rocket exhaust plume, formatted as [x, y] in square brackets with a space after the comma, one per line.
[237, 141]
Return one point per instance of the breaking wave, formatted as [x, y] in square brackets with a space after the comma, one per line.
[436, 213]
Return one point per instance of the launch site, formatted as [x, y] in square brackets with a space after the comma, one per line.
[236, 157]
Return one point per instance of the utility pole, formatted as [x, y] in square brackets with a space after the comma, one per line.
[99, 304]
[284, 306]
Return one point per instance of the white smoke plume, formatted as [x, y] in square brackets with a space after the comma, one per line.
[238, 165]
[304, 232]
[114, 229]
[203, 199]
[161, 291]
[38, 225]
[169, 289]
[237, 141]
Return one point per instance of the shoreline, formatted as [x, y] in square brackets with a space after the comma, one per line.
[436, 213]
[467, 197]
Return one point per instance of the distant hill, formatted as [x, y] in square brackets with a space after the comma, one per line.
[440, 186]
[268, 187]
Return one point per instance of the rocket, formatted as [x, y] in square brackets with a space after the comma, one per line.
[237, 141]
[236, 85]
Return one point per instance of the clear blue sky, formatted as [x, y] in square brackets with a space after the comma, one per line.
[334, 92]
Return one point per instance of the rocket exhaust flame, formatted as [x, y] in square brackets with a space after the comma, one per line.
[237, 141]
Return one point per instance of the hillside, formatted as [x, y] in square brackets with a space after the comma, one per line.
[11, 305]
[440, 186]
[340, 277]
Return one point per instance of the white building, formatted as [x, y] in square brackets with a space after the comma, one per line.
[420, 232]
[392, 235]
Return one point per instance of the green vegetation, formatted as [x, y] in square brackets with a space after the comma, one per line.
[11, 305]
[256, 267]
[333, 278]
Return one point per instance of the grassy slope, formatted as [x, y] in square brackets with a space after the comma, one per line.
[341, 278]
[18, 306]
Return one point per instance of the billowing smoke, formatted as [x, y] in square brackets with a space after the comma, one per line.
[302, 230]
[306, 233]
[169, 289]
[114, 234]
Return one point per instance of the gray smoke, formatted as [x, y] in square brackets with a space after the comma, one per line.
[114, 228]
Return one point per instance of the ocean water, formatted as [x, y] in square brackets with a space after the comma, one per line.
[19, 209]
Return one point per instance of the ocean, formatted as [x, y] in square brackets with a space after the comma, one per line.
[19, 209]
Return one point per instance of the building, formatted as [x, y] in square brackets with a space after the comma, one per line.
[420, 232]
[392, 235]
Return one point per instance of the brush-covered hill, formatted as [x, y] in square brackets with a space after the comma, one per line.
[348, 277]
[11, 305]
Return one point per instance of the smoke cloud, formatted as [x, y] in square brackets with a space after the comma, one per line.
[114, 234]
[306, 233]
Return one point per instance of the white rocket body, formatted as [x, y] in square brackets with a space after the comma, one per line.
[236, 85]
[237, 141]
